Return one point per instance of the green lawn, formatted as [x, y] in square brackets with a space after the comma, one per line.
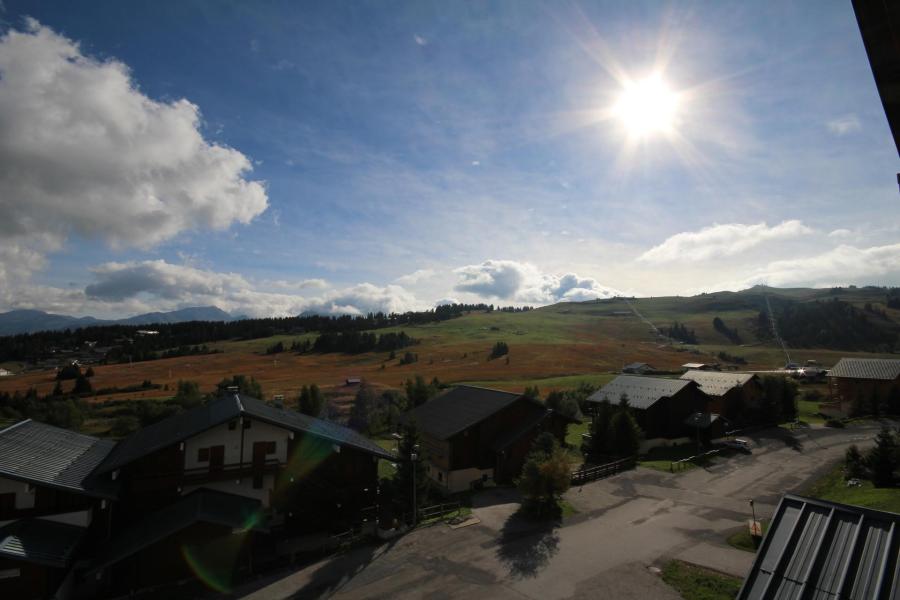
[547, 384]
[697, 583]
[661, 458]
[833, 487]
[385, 470]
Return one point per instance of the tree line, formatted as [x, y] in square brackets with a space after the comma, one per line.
[125, 344]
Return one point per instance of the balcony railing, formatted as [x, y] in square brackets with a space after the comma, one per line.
[232, 471]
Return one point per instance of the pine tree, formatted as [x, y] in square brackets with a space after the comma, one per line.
[545, 476]
[603, 414]
[882, 459]
[624, 433]
[411, 443]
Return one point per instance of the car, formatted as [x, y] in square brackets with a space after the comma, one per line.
[738, 444]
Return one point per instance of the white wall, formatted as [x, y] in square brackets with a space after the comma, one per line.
[24, 499]
[459, 480]
[231, 439]
[647, 445]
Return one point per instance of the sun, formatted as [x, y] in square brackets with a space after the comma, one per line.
[647, 107]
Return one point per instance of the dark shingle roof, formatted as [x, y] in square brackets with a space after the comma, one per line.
[200, 506]
[867, 368]
[460, 408]
[718, 384]
[40, 541]
[180, 427]
[819, 549]
[642, 392]
[504, 441]
[47, 455]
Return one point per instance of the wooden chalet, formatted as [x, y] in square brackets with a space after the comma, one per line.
[473, 434]
[50, 507]
[865, 385]
[730, 394]
[661, 405]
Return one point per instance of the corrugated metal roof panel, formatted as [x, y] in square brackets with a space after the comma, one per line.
[718, 384]
[40, 541]
[46, 455]
[867, 368]
[642, 392]
[826, 551]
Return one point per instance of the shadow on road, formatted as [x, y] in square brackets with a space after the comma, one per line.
[777, 433]
[526, 545]
[340, 570]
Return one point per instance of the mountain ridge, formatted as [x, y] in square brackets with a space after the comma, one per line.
[19, 321]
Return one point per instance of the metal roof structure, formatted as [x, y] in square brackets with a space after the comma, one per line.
[460, 408]
[879, 24]
[824, 550]
[642, 392]
[180, 427]
[40, 541]
[42, 454]
[867, 368]
[201, 506]
[715, 383]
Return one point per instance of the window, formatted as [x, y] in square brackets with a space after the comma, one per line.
[203, 455]
[247, 423]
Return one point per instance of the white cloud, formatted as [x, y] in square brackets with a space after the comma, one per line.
[838, 266]
[420, 40]
[844, 125]
[721, 240]
[416, 277]
[83, 150]
[525, 283]
[840, 233]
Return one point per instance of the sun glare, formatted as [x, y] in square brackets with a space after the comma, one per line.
[647, 107]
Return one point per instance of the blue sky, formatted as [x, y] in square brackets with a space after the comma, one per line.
[392, 156]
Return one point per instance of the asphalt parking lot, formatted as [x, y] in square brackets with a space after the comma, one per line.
[625, 525]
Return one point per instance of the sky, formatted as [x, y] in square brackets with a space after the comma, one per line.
[276, 158]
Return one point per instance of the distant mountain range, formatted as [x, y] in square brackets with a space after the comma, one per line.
[30, 321]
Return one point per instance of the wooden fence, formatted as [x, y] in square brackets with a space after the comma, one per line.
[583, 476]
[438, 510]
[678, 465]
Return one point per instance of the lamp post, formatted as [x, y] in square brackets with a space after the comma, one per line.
[413, 457]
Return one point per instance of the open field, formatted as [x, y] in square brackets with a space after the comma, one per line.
[554, 347]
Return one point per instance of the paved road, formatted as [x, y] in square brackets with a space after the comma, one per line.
[626, 524]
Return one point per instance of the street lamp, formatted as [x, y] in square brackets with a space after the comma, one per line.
[413, 457]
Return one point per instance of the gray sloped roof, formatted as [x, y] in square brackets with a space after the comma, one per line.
[867, 368]
[185, 425]
[642, 391]
[718, 384]
[458, 409]
[40, 541]
[825, 550]
[200, 506]
[46, 455]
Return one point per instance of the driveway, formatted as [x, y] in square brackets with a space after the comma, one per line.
[625, 525]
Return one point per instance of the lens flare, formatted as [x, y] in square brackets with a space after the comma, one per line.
[647, 106]
[214, 563]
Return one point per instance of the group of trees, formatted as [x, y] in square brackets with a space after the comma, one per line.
[679, 331]
[830, 324]
[880, 463]
[614, 431]
[355, 342]
[732, 334]
[61, 410]
[499, 349]
[311, 401]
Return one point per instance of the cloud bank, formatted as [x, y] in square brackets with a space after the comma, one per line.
[524, 283]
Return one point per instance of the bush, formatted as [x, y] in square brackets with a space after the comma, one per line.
[854, 464]
[499, 349]
[545, 476]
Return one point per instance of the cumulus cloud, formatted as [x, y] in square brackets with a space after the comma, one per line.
[844, 125]
[839, 266]
[83, 150]
[416, 277]
[167, 286]
[840, 233]
[721, 240]
[523, 282]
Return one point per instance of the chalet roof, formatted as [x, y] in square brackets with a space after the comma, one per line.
[718, 384]
[642, 391]
[506, 440]
[200, 506]
[636, 365]
[40, 541]
[232, 406]
[820, 549]
[460, 408]
[694, 365]
[46, 455]
[867, 368]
